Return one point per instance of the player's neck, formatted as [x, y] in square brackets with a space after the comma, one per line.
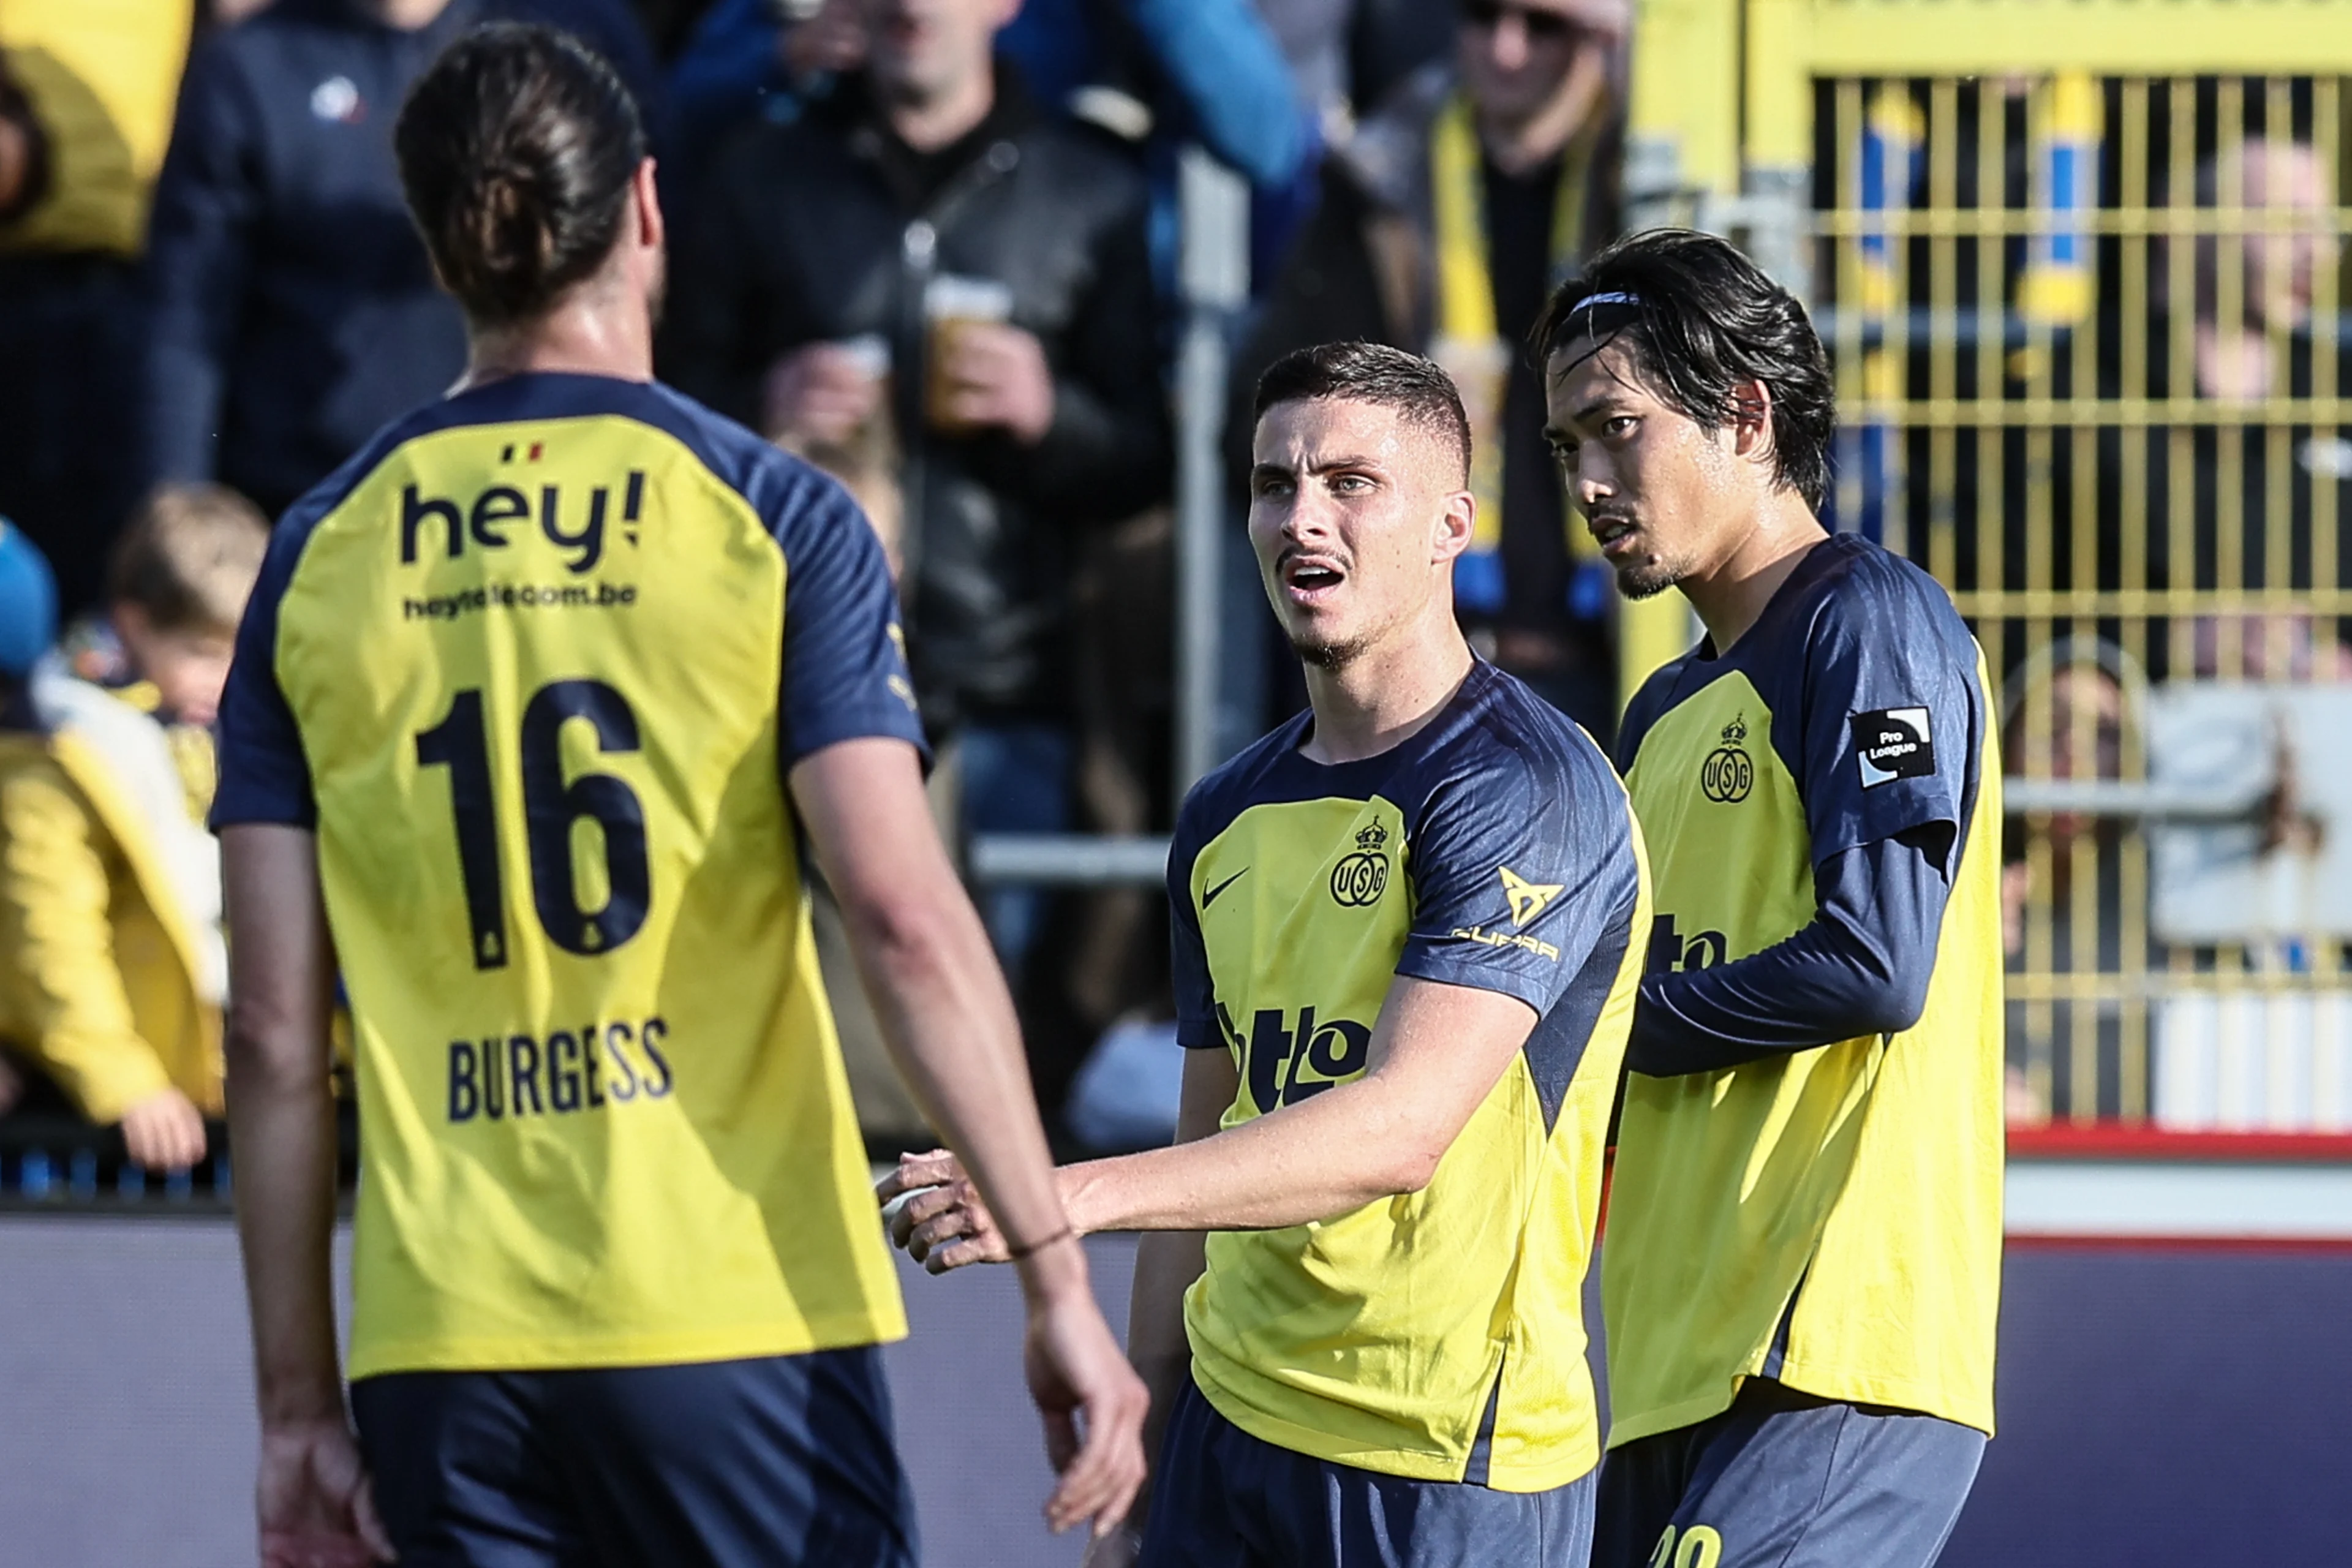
[1730, 595]
[595, 336]
[1383, 696]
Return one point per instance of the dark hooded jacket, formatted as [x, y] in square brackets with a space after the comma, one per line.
[831, 228]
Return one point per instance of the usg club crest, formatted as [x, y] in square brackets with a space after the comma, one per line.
[1728, 774]
[1360, 878]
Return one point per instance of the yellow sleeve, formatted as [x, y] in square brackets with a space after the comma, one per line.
[64, 997]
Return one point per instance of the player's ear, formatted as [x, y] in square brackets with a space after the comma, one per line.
[1451, 535]
[651, 230]
[1751, 419]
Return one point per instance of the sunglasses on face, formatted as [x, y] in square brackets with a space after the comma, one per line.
[1539, 23]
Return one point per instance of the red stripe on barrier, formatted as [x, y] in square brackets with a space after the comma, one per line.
[2181, 1242]
[2117, 1141]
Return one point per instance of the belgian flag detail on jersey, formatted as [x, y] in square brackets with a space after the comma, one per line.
[534, 666]
[1832, 1216]
[1438, 1335]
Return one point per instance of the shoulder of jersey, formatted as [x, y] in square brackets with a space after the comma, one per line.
[1526, 732]
[1874, 589]
[1225, 789]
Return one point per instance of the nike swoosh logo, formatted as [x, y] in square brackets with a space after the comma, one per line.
[1211, 896]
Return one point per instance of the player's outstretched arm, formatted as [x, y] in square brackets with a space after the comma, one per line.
[1436, 1053]
[948, 1020]
[312, 1496]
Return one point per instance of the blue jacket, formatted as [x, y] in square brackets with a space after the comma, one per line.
[292, 308]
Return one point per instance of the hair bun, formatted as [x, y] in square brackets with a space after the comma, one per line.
[517, 151]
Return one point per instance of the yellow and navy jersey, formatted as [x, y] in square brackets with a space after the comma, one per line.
[1826, 1212]
[1438, 1334]
[534, 666]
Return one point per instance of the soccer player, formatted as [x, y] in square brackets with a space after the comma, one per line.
[1409, 927]
[535, 706]
[1804, 1230]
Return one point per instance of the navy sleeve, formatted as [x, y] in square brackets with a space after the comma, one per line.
[206, 205]
[1861, 967]
[1892, 715]
[846, 674]
[264, 775]
[1518, 870]
[1188, 954]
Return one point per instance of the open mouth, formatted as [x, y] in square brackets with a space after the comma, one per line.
[1310, 579]
[1613, 534]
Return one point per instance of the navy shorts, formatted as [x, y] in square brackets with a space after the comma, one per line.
[1223, 1498]
[1786, 1479]
[780, 1462]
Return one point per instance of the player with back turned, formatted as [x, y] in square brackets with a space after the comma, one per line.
[537, 703]
[1803, 1264]
[1407, 930]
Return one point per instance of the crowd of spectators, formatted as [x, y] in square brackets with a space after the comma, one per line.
[929, 245]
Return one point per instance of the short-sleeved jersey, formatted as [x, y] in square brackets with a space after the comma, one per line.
[1438, 1334]
[1831, 1216]
[535, 664]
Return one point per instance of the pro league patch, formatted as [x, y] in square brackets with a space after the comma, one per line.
[1892, 743]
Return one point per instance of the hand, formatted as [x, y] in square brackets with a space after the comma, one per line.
[944, 1225]
[818, 394]
[165, 1132]
[997, 378]
[1093, 1405]
[832, 42]
[316, 1508]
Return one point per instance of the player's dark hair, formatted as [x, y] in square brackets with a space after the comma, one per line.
[515, 151]
[1700, 319]
[1418, 389]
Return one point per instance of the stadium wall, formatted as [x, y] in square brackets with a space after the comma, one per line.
[2164, 1400]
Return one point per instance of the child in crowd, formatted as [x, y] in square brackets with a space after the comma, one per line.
[175, 590]
[112, 971]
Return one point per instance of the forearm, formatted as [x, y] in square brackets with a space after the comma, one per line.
[949, 1025]
[281, 1116]
[1861, 967]
[72, 1008]
[1351, 1145]
[283, 1126]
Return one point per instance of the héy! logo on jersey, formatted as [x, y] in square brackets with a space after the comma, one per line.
[1729, 773]
[575, 527]
[1279, 1055]
[1360, 880]
[1892, 743]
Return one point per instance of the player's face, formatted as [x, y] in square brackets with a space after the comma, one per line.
[1356, 517]
[1659, 493]
[922, 49]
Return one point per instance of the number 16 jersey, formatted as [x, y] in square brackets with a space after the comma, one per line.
[533, 666]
